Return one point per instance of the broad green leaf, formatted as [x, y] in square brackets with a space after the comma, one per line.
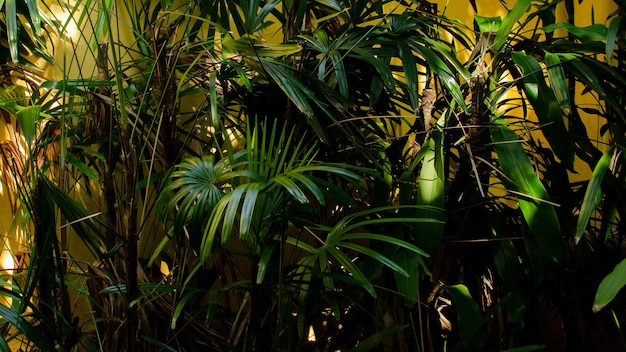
[372, 341]
[611, 37]
[539, 214]
[547, 108]
[11, 23]
[488, 24]
[595, 32]
[558, 81]
[430, 192]
[408, 286]
[254, 47]
[610, 286]
[468, 314]
[516, 13]
[593, 192]
[27, 118]
[35, 18]
[409, 66]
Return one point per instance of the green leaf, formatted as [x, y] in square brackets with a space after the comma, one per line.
[539, 214]
[295, 90]
[547, 108]
[408, 286]
[178, 310]
[82, 167]
[253, 47]
[508, 267]
[468, 314]
[506, 27]
[4, 347]
[371, 342]
[409, 67]
[11, 23]
[593, 192]
[595, 32]
[558, 81]
[448, 79]
[27, 118]
[488, 24]
[610, 286]
[35, 18]
[264, 262]
[611, 38]
[430, 192]
[215, 118]
[31, 333]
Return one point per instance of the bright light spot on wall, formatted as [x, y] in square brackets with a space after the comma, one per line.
[68, 24]
[6, 261]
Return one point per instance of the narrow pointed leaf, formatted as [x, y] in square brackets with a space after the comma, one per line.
[31, 333]
[506, 27]
[264, 262]
[591, 199]
[11, 23]
[558, 81]
[546, 106]
[610, 286]
[611, 37]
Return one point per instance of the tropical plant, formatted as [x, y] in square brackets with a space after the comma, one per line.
[317, 175]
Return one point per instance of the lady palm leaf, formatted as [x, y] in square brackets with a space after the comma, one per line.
[343, 233]
[210, 198]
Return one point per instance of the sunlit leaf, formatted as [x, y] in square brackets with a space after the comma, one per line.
[546, 106]
[515, 14]
[610, 286]
[11, 23]
[468, 314]
[595, 32]
[592, 194]
[558, 81]
[539, 214]
[430, 192]
[28, 118]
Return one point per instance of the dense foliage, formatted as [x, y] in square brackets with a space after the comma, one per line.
[312, 176]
